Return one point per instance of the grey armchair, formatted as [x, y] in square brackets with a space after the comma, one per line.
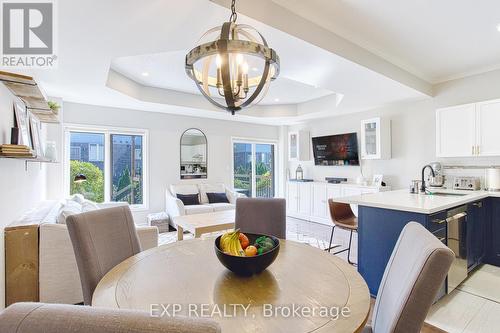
[56, 318]
[101, 240]
[413, 276]
[261, 216]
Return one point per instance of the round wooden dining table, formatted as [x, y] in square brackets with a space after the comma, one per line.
[304, 290]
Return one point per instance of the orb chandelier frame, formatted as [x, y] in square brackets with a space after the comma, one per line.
[232, 81]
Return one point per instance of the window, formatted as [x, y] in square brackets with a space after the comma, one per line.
[254, 168]
[113, 161]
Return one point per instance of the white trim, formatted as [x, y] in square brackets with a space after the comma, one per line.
[253, 142]
[108, 131]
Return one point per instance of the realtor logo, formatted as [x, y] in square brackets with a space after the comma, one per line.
[28, 32]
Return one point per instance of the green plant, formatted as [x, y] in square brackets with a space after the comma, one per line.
[93, 187]
[54, 106]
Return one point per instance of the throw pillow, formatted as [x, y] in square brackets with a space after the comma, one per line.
[88, 206]
[70, 208]
[189, 199]
[217, 198]
[78, 198]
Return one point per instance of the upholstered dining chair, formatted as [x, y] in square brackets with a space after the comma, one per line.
[101, 240]
[261, 216]
[413, 276]
[342, 217]
[55, 318]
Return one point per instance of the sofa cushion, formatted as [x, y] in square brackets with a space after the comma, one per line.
[189, 199]
[217, 207]
[78, 198]
[217, 197]
[212, 188]
[198, 209]
[184, 189]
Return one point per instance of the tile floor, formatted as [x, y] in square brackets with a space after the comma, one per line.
[474, 307]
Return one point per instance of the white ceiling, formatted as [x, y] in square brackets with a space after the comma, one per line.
[131, 36]
[435, 40]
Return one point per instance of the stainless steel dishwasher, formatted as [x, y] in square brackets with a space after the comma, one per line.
[457, 242]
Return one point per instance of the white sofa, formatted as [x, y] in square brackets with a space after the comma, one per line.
[175, 207]
[58, 278]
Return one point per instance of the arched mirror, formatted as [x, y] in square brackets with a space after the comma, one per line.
[193, 154]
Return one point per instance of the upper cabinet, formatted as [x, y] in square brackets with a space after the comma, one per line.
[468, 130]
[376, 139]
[299, 143]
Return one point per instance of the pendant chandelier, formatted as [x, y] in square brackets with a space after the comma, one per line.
[232, 66]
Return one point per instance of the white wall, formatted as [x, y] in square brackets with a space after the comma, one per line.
[20, 189]
[164, 136]
[413, 132]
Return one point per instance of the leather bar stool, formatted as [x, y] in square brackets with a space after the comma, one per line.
[342, 217]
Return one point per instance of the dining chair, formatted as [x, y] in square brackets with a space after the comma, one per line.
[343, 218]
[55, 318]
[261, 216]
[101, 240]
[412, 278]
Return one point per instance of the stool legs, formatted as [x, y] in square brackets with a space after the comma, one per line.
[348, 249]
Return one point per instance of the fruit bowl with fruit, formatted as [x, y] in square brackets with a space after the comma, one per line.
[246, 253]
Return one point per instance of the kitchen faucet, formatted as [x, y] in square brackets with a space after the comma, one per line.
[422, 188]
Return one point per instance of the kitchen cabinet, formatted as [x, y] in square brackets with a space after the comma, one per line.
[468, 130]
[493, 233]
[476, 227]
[319, 200]
[488, 133]
[376, 139]
[304, 199]
[299, 146]
[292, 198]
[456, 131]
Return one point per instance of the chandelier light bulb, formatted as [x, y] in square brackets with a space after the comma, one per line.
[244, 68]
[218, 61]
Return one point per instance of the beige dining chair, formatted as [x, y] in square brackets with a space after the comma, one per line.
[413, 276]
[101, 240]
[55, 318]
[261, 216]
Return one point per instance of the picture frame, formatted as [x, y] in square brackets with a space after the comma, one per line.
[35, 135]
[377, 180]
[21, 115]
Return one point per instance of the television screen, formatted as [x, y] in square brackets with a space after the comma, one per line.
[339, 149]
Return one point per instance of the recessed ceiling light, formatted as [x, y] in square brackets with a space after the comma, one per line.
[145, 74]
[498, 27]
[276, 99]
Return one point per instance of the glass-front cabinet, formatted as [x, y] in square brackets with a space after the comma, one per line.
[298, 146]
[375, 139]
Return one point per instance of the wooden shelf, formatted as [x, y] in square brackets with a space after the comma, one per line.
[26, 89]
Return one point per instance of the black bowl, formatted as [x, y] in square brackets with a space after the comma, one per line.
[247, 266]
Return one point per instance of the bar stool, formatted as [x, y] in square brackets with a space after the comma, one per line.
[343, 218]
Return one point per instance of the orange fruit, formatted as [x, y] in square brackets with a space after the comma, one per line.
[244, 240]
[251, 251]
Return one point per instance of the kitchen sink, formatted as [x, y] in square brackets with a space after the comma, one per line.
[448, 194]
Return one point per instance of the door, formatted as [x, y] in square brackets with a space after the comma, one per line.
[319, 203]
[494, 244]
[292, 197]
[254, 169]
[478, 221]
[305, 199]
[488, 131]
[456, 131]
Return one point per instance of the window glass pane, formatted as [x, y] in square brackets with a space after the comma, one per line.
[82, 163]
[126, 168]
[264, 170]
[242, 156]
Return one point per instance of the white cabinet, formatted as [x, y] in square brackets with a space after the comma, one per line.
[305, 199]
[488, 128]
[376, 139]
[319, 200]
[468, 130]
[299, 146]
[456, 131]
[292, 198]
[309, 200]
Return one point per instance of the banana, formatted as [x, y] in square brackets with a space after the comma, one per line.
[230, 243]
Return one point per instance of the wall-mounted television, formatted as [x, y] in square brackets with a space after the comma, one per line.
[341, 149]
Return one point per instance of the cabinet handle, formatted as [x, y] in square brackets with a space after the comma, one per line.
[442, 239]
[477, 150]
[438, 221]
[473, 151]
[478, 204]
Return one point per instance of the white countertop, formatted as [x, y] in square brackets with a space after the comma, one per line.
[419, 203]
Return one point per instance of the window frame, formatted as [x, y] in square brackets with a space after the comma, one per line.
[108, 131]
[253, 142]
